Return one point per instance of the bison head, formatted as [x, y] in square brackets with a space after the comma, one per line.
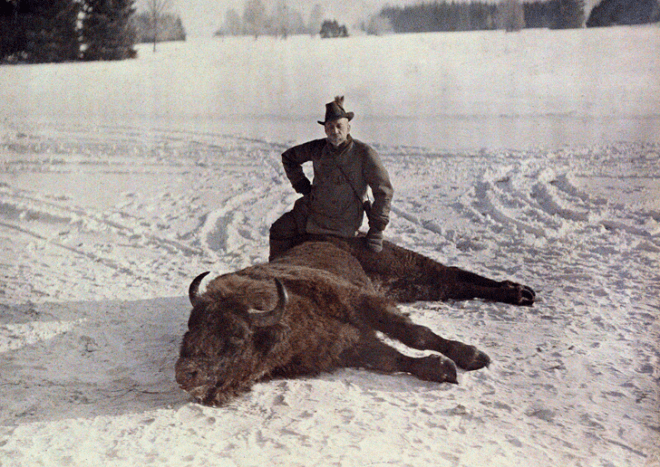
[223, 352]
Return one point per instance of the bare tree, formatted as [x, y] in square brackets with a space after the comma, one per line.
[511, 15]
[156, 9]
[254, 17]
[315, 19]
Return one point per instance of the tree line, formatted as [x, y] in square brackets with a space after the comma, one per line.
[37, 31]
[40, 31]
[507, 14]
[282, 21]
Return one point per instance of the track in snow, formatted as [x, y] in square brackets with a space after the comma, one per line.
[98, 228]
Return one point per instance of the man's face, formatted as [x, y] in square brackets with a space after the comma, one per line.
[337, 131]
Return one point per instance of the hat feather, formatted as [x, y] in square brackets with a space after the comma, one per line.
[339, 100]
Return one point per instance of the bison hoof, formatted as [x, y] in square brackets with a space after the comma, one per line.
[527, 296]
[468, 357]
[435, 368]
[520, 294]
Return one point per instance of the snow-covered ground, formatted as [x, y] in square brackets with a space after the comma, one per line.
[531, 156]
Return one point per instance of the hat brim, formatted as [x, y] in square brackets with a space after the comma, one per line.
[349, 116]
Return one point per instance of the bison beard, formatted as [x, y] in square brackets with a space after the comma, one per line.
[327, 300]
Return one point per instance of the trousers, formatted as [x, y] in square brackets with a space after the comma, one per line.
[290, 229]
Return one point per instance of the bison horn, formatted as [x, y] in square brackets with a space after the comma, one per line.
[193, 290]
[272, 317]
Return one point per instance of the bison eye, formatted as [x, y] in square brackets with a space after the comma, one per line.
[232, 344]
[237, 341]
[266, 339]
[238, 335]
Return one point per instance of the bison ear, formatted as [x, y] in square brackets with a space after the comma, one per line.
[266, 338]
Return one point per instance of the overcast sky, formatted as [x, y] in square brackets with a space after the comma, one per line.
[204, 17]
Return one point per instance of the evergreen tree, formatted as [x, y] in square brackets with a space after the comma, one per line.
[613, 12]
[53, 36]
[442, 16]
[571, 14]
[331, 29]
[12, 36]
[40, 31]
[107, 32]
[541, 14]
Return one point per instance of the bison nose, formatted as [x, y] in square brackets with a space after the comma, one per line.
[191, 375]
[187, 374]
[186, 378]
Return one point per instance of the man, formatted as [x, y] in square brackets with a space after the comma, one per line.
[334, 203]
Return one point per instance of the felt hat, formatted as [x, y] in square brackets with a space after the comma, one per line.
[335, 110]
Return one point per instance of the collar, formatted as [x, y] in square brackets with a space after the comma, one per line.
[341, 148]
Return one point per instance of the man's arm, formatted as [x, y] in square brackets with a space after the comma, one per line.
[378, 179]
[293, 159]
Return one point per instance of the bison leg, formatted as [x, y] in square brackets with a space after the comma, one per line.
[407, 276]
[468, 285]
[383, 316]
[374, 355]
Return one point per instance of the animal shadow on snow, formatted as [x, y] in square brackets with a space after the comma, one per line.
[85, 359]
[107, 358]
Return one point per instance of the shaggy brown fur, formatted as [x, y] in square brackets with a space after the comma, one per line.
[406, 276]
[330, 321]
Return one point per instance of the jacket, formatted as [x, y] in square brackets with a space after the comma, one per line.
[335, 207]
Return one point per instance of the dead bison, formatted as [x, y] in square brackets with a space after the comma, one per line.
[323, 314]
